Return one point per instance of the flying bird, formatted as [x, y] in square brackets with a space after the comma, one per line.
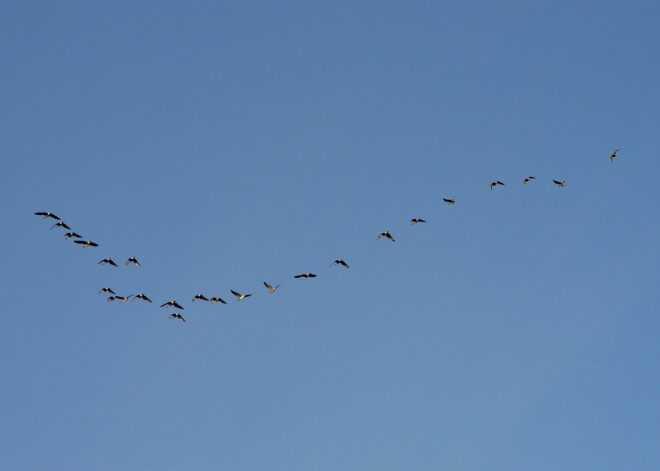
[69, 235]
[305, 275]
[388, 235]
[341, 262]
[200, 296]
[108, 260]
[449, 201]
[112, 298]
[134, 261]
[415, 221]
[122, 298]
[60, 224]
[614, 154]
[271, 289]
[47, 215]
[239, 295]
[177, 315]
[141, 296]
[494, 184]
[106, 290]
[217, 300]
[172, 303]
[524, 182]
[560, 184]
[86, 243]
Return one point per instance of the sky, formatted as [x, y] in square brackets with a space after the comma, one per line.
[225, 144]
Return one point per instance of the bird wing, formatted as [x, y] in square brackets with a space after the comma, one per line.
[112, 262]
[177, 305]
[93, 244]
[267, 285]
[558, 183]
[80, 242]
[235, 293]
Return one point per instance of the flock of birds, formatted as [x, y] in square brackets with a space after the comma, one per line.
[239, 296]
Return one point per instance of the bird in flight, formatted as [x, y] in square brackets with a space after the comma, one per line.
[86, 243]
[47, 215]
[271, 289]
[217, 300]
[112, 298]
[524, 182]
[341, 262]
[177, 315]
[122, 299]
[239, 295]
[449, 201]
[560, 184]
[60, 224]
[69, 235]
[172, 303]
[614, 154]
[305, 275]
[494, 184]
[108, 260]
[141, 296]
[415, 221]
[134, 261]
[106, 290]
[200, 296]
[387, 235]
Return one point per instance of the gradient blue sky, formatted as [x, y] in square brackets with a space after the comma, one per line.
[228, 144]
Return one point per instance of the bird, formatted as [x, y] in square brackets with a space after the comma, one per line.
[69, 235]
[112, 298]
[239, 295]
[177, 315]
[47, 215]
[172, 303]
[60, 224]
[494, 184]
[86, 243]
[449, 201]
[388, 235]
[524, 182]
[341, 262]
[271, 289]
[415, 221]
[108, 260]
[106, 290]
[614, 154]
[305, 275]
[141, 296]
[200, 296]
[123, 299]
[217, 300]
[560, 184]
[133, 260]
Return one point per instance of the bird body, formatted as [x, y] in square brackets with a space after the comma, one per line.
[134, 261]
[524, 182]
[177, 315]
[387, 235]
[71, 234]
[449, 201]
[217, 300]
[415, 221]
[108, 261]
[200, 297]
[271, 289]
[106, 290]
[172, 303]
[560, 184]
[60, 224]
[239, 295]
[494, 184]
[341, 262]
[142, 296]
[614, 154]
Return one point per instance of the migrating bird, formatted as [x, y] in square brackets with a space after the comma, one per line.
[524, 182]
[60, 224]
[86, 243]
[305, 275]
[108, 260]
[172, 303]
[106, 290]
[614, 154]
[141, 296]
[68, 235]
[560, 184]
[341, 262]
[415, 221]
[217, 300]
[177, 315]
[123, 298]
[112, 298]
[239, 295]
[388, 235]
[271, 289]
[449, 201]
[133, 260]
[200, 296]
[494, 184]
[47, 215]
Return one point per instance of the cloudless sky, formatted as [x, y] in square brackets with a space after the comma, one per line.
[225, 144]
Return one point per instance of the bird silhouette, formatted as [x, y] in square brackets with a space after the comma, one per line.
[47, 215]
[134, 261]
[217, 300]
[60, 224]
[341, 262]
[271, 289]
[109, 261]
[142, 296]
[172, 303]
[614, 154]
[415, 221]
[177, 315]
[69, 235]
[387, 235]
[560, 184]
[239, 295]
[200, 297]
[494, 184]
[524, 182]
[86, 243]
[305, 275]
[449, 201]
[106, 290]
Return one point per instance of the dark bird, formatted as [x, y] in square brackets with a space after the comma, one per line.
[141, 296]
[177, 315]
[217, 300]
[305, 275]
[112, 298]
[388, 235]
[172, 303]
[47, 215]
[239, 295]
[449, 201]
[60, 224]
[271, 289]
[106, 290]
[494, 184]
[415, 221]
[108, 260]
[341, 262]
[524, 182]
[614, 154]
[68, 235]
[133, 260]
[560, 184]
[123, 299]
[86, 243]
[200, 296]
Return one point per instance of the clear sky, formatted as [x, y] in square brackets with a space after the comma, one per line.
[229, 143]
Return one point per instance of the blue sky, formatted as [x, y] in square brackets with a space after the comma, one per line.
[225, 145]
